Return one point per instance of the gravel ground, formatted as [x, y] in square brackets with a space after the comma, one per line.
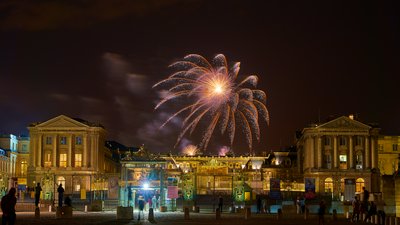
[171, 218]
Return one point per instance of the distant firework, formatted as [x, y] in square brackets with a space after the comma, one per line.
[223, 151]
[190, 150]
[215, 96]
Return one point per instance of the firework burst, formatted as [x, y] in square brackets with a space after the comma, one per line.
[190, 150]
[215, 95]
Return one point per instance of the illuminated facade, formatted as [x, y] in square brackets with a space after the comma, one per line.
[8, 160]
[71, 152]
[340, 149]
[389, 152]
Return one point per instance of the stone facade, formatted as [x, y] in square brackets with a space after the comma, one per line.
[71, 152]
[340, 149]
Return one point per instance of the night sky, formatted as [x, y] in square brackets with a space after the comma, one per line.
[98, 60]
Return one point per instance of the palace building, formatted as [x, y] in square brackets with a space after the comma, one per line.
[340, 149]
[70, 152]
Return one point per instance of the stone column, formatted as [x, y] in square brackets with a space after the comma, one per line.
[69, 160]
[367, 153]
[85, 152]
[55, 141]
[319, 149]
[374, 161]
[312, 157]
[335, 152]
[39, 159]
[351, 153]
[92, 153]
[33, 151]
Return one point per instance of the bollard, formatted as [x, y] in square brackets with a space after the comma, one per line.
[307, 211]
[247, 213]
[186, 212]
[347, 215]
[376, 219]
[334, 215]
[49, 208]
[37, 213]
[279, 215]
[85, 208]
[217, 214]
[151, 214]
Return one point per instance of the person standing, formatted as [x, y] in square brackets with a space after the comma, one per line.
[356, 210]
[38, 189]
[372, 211]
[141, 206]
[365, 200]
[259, 204]
[60, 191]
[154, 202]
[220, 203]
[321, 213]
[8, 203]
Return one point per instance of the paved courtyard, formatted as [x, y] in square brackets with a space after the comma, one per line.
[170, 218]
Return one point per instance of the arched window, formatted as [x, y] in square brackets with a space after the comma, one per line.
[328, 184]
[360, 183]
[61, 180]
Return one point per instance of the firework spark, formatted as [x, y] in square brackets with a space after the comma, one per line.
[213, 92]
[190, 150]
[224, 150]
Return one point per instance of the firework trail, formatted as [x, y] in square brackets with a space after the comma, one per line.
[215, 95]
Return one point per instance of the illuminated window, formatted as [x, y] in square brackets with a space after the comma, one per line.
[78, 160]
[48, 140]
[77, 187]
[24, 167]
[359, 185]
[47, 160]
[343, 161]
[78, 140]
[63, 140]
[63, 160]
[328, 184]
[61, 180]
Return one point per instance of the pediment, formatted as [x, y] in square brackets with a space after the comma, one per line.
[344, 123]
[61, 121]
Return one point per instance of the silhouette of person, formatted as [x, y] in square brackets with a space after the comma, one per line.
[38, 189]
[220, 203]
[141, 206]
[60, 191]
[8, 203]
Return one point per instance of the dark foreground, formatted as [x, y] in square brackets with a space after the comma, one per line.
[172, 218]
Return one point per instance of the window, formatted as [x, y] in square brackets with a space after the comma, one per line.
[342, 141]
[63, 140]
[24, 167]
[328, 161]
[78, 160]
[24, 147]
[78, 140]
[359, 140]
[359, 161]
[48, 140]
[63, 160]
[47, 160]
[328, 184]
[61, 180]
[343, 161]
[327, 140]
[359, 185]
[395, 147]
